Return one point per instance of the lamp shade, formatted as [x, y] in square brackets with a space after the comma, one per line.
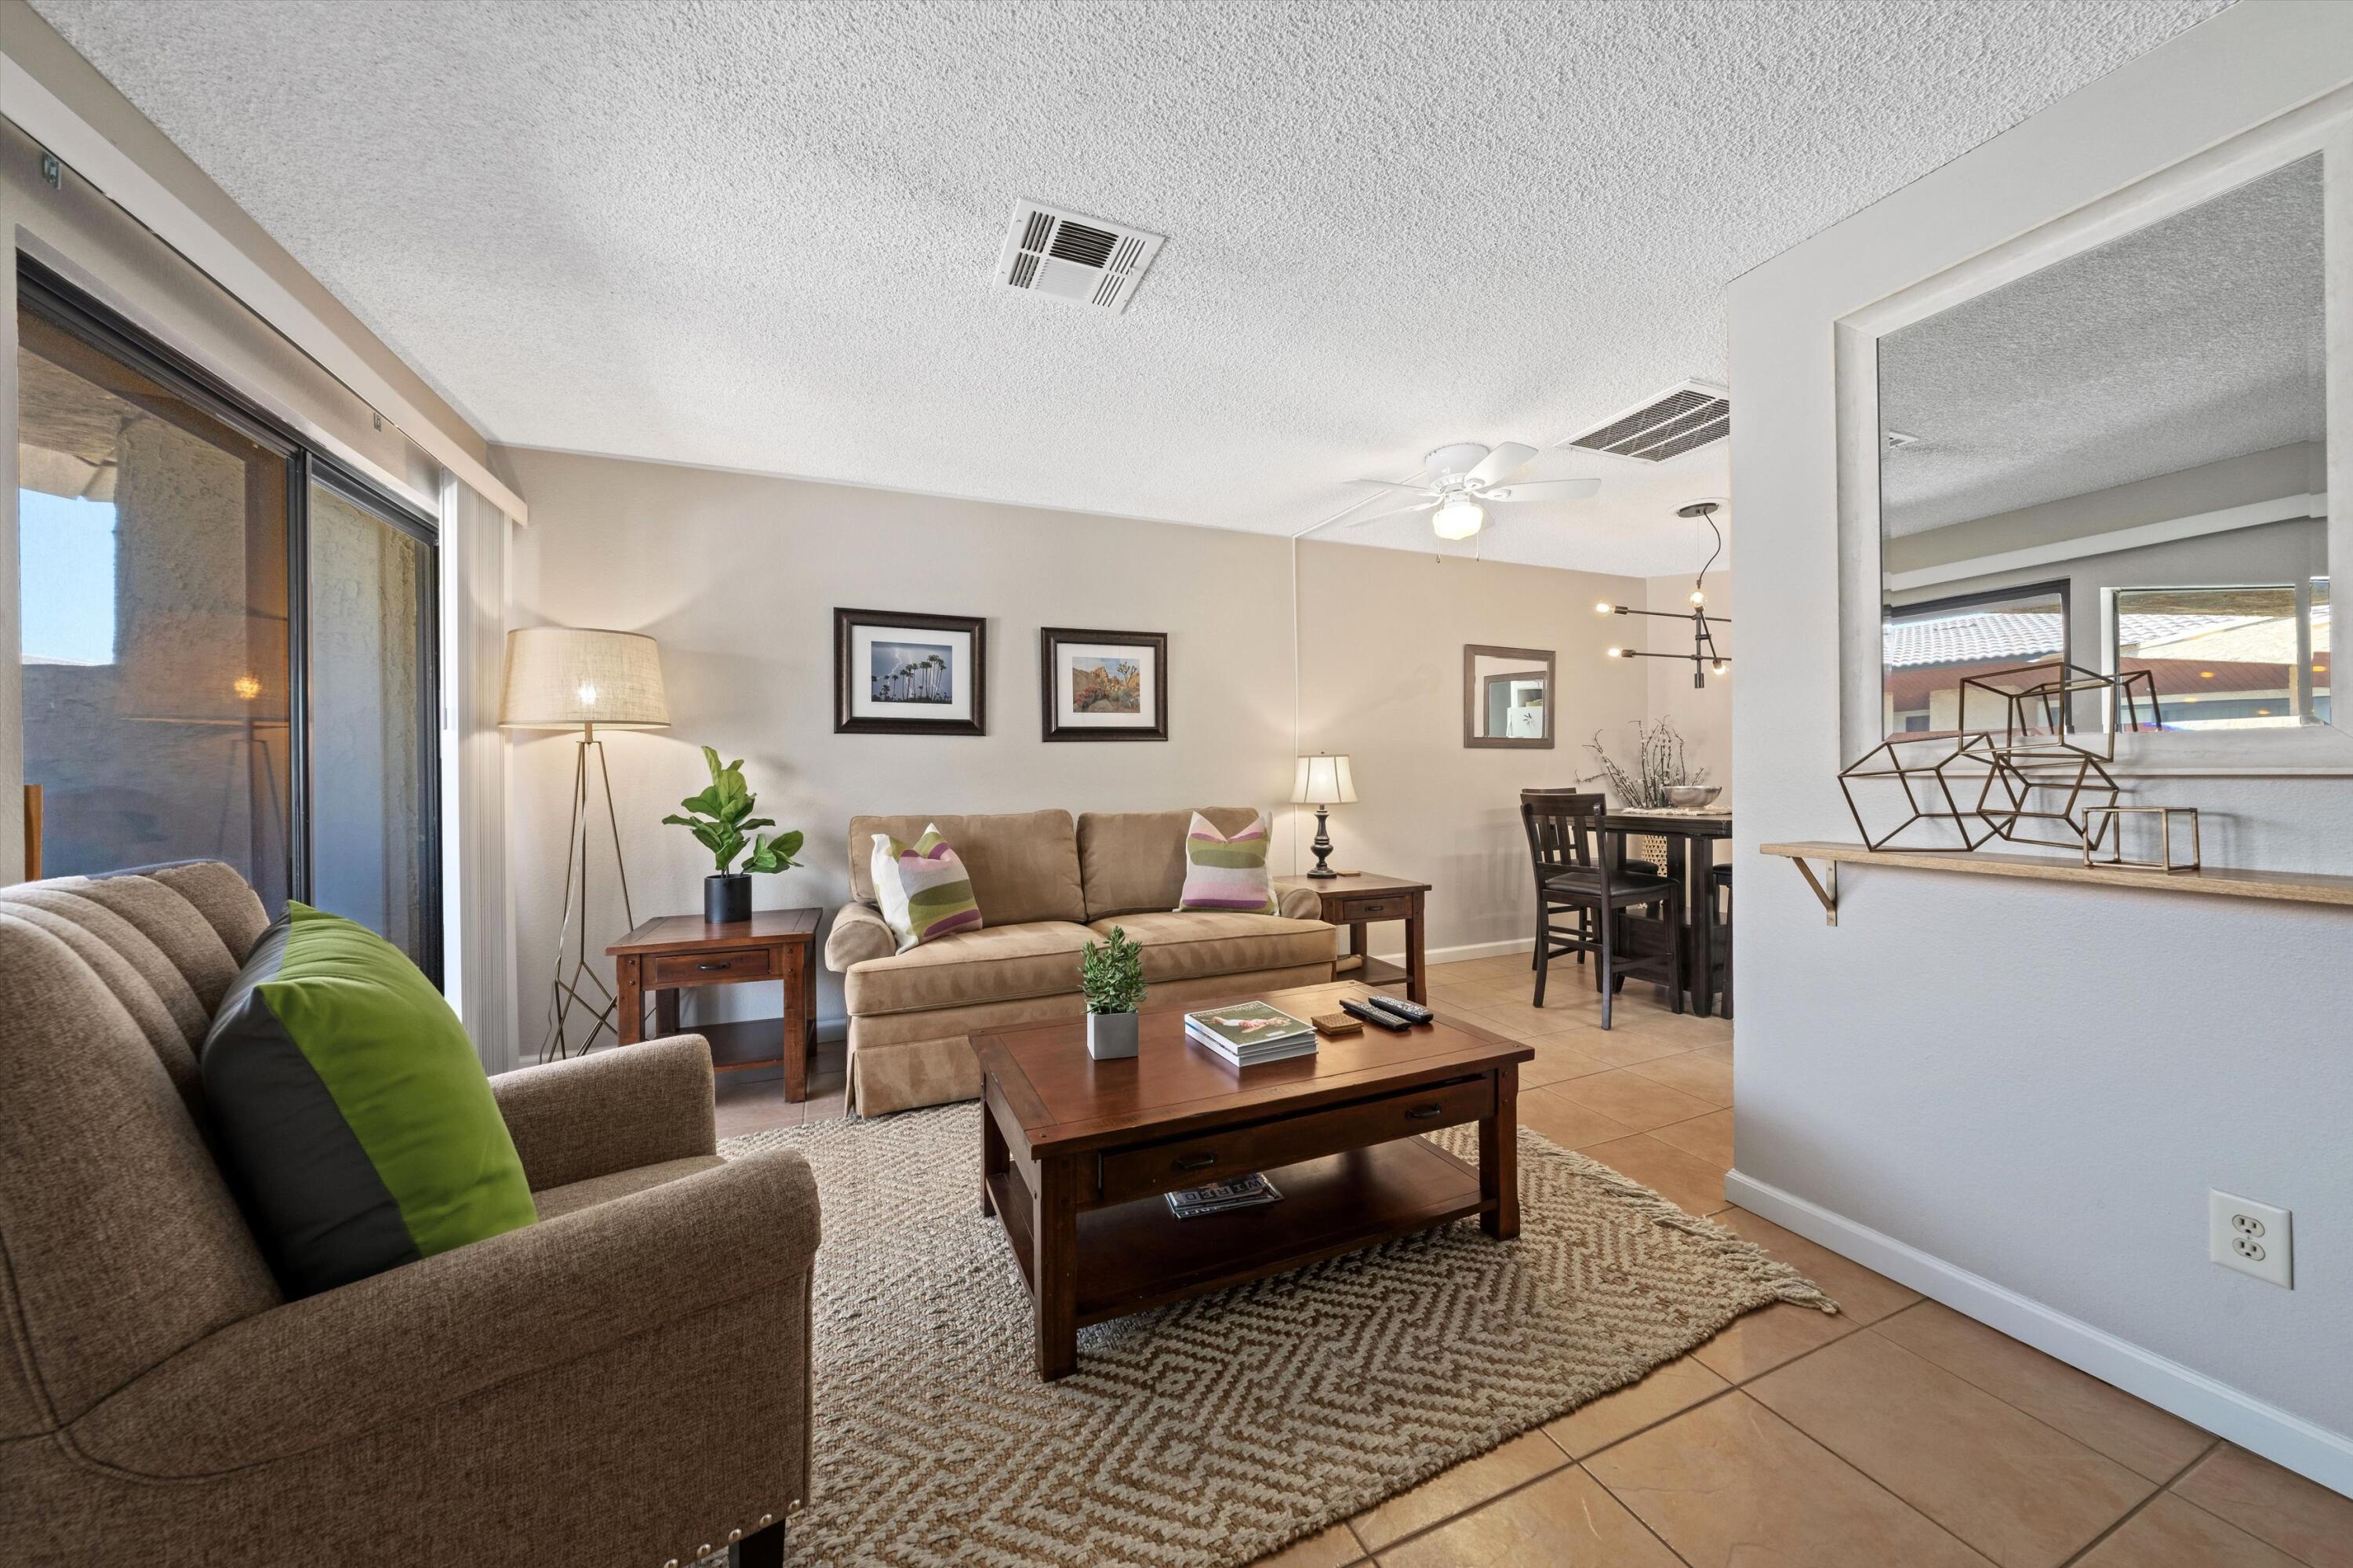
[1322, 781]
[560, 677]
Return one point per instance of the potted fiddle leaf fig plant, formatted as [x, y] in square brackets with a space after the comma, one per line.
[1112, 977]
[721, 816]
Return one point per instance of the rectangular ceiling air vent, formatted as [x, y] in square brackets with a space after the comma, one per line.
[1080, 260]
[1677, 420]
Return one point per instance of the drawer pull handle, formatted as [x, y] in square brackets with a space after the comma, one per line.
[1197, 1162]
[729, 965]
[1421, 1113]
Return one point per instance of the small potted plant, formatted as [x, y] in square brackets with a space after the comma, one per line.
[1112, 976]
[721, 816]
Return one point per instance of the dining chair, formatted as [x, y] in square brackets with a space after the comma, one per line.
[1562, 939]
[1719, 881]
[1568, 846]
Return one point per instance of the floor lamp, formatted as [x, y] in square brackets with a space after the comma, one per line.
[562, 678]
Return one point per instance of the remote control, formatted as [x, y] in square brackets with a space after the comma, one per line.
[1411, 1012]
[1375, 1016]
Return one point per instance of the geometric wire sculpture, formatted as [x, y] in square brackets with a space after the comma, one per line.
[1925, 768]
[2105, 820]
[2044, 708]
[2045, 794]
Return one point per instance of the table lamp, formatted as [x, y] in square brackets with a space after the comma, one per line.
[1322, 783]
[560, 677]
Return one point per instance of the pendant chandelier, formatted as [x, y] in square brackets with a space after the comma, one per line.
[1705, 658]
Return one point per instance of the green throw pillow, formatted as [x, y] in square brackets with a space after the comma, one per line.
[350, 1110]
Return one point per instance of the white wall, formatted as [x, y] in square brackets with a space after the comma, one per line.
[2015, 1097]
[738, 576]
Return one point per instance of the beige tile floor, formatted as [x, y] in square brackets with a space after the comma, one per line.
[1898, 1433]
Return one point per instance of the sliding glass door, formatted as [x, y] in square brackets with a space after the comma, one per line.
[227, 639]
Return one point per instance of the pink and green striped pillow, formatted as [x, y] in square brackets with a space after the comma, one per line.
[1227, 873]
[924, 891]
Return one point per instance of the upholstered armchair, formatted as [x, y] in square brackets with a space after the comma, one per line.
[626, 1381]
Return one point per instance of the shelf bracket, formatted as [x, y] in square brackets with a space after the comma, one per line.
[1825, 891]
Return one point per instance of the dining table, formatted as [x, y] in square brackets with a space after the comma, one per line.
[1692, 835]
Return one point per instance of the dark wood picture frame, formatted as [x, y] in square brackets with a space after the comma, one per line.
[845, 718]
[1474, 698]
[1050, 728]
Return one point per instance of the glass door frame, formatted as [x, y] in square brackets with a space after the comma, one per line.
[71, 311]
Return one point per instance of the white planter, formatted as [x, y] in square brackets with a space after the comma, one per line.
[1110, 1035]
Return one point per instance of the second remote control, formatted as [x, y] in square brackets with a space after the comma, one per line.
[1375, 1016]
[1411, 1012]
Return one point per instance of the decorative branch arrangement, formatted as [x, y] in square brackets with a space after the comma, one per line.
[1659, 765]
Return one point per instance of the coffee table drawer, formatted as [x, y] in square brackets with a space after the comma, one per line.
[712, 966]
[1215, 1156]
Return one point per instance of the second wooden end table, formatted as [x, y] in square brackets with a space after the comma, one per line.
[1358, 898]
[678, 951]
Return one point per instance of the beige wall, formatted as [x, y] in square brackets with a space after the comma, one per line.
[738, 576]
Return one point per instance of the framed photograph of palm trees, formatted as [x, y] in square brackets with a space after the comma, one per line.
[1103, 685]
[909, 675]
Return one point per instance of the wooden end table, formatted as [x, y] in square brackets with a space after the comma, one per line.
[679, 952]
[1358, 898]
[1077, 1155]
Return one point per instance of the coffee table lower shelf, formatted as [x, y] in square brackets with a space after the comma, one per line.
[1138, 1255]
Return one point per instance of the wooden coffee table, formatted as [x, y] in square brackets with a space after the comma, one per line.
[1076, 1155]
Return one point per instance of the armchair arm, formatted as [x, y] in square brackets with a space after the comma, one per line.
[384, 1349]
[859, 932]
[613, 1110]
[1300, 904]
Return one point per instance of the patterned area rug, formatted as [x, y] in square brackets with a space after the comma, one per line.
[1212, 1432]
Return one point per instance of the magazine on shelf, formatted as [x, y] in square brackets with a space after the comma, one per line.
[1239, 1193]
[1251, 1032]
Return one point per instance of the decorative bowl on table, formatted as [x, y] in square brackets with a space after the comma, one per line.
[1692, 794]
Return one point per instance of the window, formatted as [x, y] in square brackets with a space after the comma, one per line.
[175, 546]
[1930, 647]
[2250, 656]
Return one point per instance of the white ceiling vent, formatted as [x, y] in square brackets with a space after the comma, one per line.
[1065, 256]
[1683, 417]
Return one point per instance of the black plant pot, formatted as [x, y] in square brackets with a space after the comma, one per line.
[727, 898]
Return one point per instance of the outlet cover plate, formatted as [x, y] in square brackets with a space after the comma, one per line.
[2253, 1238]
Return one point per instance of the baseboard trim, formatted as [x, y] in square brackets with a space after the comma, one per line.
[1465, 953]
[2277, 1434]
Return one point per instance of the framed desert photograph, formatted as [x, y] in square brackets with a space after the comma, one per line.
[909, 675]
[1103, 685]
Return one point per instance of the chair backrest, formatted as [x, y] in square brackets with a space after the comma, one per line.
[1567, 831]
[119, 1241]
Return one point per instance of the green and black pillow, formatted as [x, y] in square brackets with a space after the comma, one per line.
[350, 1110]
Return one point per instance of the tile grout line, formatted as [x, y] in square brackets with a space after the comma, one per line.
[1636, 1518]
[2163, 1489]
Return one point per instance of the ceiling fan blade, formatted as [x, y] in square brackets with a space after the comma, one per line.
[1417, 508]
[1505, 459]
[1545, 490]
[1393, 484]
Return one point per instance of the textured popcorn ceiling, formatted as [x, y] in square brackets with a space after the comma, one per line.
[762, 236]
[2190, 341]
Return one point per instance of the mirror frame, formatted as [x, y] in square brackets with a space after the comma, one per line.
[1472, 653]
[2325, 127]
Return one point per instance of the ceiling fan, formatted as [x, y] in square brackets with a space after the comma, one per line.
[1461, 481]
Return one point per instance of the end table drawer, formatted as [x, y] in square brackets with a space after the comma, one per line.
[714, 966]
[1395, 907]
[1216, 1156]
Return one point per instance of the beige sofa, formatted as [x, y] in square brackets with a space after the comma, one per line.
[1046, 886]
[626, 1381]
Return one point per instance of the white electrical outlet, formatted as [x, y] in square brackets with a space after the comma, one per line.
[2250, 1237]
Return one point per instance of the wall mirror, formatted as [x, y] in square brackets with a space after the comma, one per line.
[2117, 461]
[1506, 696]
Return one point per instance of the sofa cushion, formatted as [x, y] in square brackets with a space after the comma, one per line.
[1193, 943]
[350, 1110]
[1228, 872]
[997, 963]
[924, 888]
[1024, 865]
[1136, 860]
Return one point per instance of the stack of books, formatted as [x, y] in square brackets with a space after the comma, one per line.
[1249, 1033]
[1240, 1192]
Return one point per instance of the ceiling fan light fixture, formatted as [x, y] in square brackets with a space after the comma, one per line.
[1458, 517]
